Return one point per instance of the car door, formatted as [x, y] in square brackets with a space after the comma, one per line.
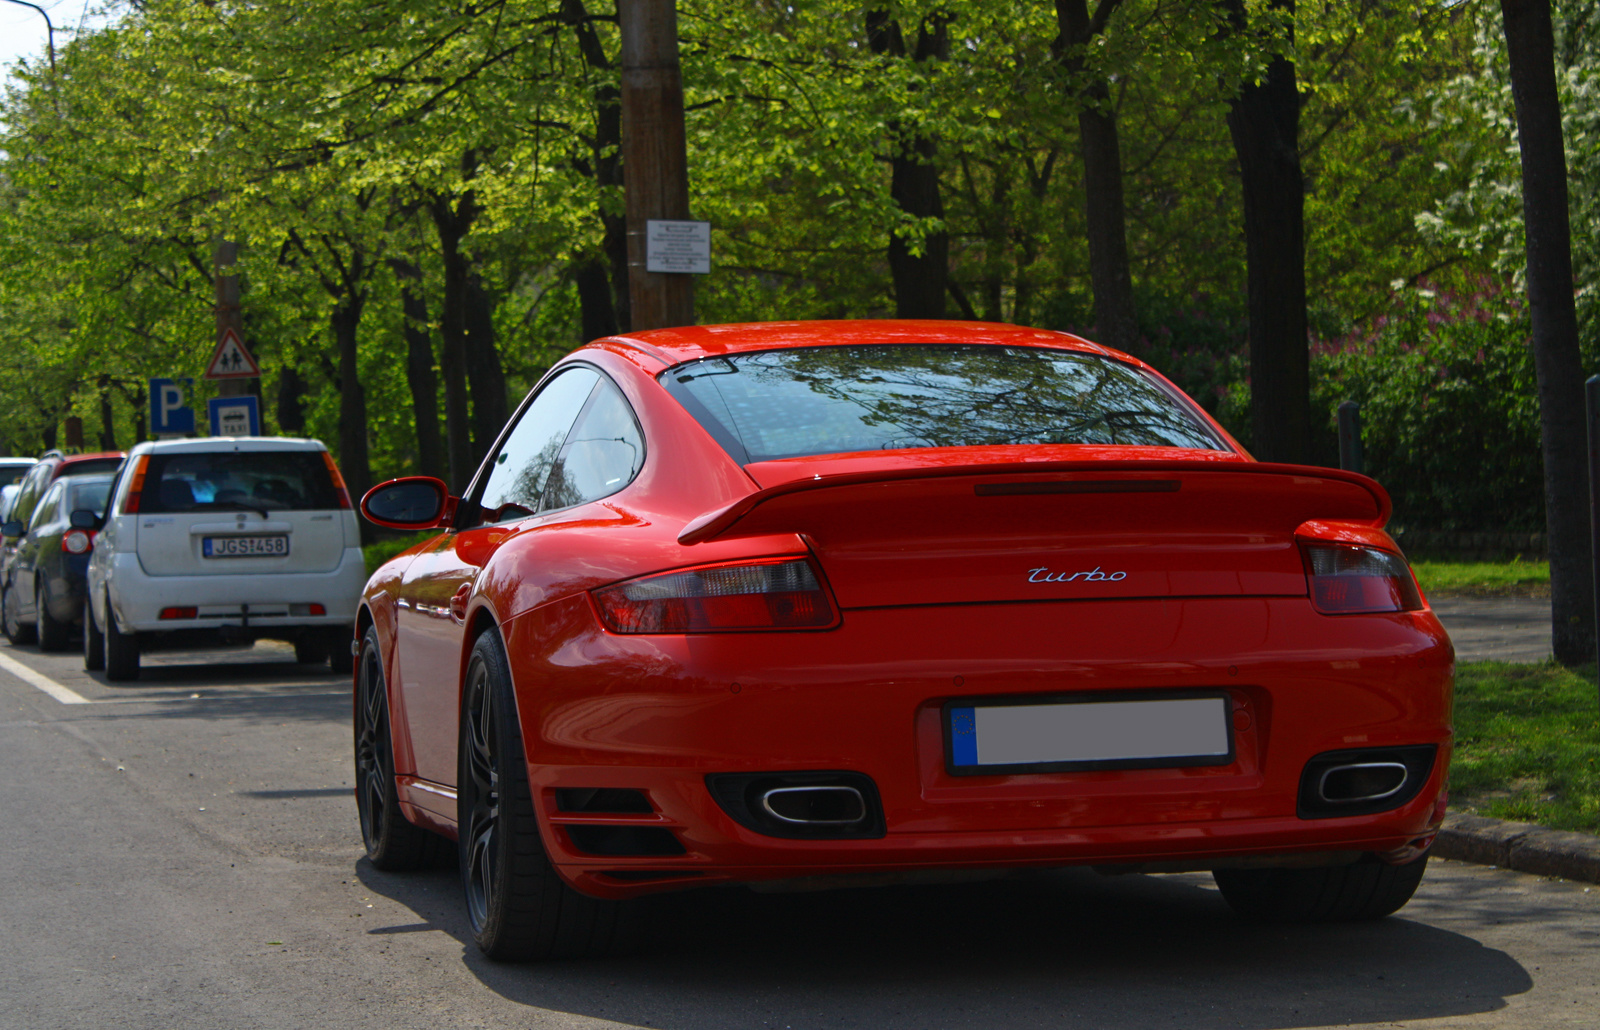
[25, 564]
[432, 598]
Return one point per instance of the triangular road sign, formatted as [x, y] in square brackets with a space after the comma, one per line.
[230, 360]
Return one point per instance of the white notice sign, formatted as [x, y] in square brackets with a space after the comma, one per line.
[677, 247]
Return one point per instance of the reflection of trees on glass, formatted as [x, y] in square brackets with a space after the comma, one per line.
[524, 486]
[835, 399]
[603, 453]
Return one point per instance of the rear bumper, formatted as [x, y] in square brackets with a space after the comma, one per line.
[257, 601]
[657, 714]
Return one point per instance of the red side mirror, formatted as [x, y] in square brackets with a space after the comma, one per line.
[413, 502]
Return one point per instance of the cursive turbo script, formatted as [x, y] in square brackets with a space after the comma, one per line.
[1044, 575]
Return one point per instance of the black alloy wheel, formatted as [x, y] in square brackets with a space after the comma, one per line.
[122, 649]
[391, 840]
[54, 635]
[94, 641]
[518, 905]
[17, 631]
[1368, 889]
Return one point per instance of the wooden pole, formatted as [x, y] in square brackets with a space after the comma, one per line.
[224, 255]
[654, 156]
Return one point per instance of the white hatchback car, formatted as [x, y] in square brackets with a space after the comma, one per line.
[228, 538]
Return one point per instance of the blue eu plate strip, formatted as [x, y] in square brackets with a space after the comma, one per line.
[963, 737]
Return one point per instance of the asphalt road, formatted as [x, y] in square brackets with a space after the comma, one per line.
[182, 853]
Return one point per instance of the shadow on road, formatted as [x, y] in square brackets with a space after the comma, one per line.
[1057, 948]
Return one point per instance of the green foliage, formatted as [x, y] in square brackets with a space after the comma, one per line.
[1449, 415]
[1528, 744]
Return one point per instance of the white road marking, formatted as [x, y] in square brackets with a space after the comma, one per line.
[34, 679]
[68, 696]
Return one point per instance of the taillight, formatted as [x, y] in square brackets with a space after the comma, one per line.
[1346, 579]
[338, 480]
[778, 594]
[77, 541]
[130, 500]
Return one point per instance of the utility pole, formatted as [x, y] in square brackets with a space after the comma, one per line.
[654, 156]
[224, 255]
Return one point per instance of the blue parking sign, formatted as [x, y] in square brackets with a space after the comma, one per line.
[169, 415]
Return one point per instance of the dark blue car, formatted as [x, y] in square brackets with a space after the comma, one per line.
[44, 587]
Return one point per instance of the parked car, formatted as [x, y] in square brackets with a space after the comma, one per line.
[35, 481]
[13, 469]
[8, 493]
[46, 589]
[223, 539]
[809, 603]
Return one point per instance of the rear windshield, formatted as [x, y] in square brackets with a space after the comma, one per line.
[86, 466]
[90, 494]
[834, 400]
[237, 481]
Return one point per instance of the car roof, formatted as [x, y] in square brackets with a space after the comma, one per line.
[688, 343]
[224, 444]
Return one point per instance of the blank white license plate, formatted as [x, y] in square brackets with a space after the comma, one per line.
[1107, 734]
[244, 546]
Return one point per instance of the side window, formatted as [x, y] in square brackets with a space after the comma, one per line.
[33, 485]
[604, 451]
[45, 513]
[518, 473]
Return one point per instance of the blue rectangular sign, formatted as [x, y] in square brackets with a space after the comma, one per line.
[168, 414]
[234, 416]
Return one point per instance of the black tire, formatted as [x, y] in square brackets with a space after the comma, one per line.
[122, 649]
[519, 907]
[310, 647]
[340, 661]
[17, 631]
[392, 841]
[1369, 889]
[94, 641]
[54, 635]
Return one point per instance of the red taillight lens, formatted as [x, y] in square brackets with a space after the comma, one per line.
[784, 594]
[77, 541]
[1346, 579]
[338, 480]
[180, 613]
[130, 500]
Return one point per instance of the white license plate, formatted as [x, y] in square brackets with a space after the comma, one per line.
[244, 546]
[1155, 733]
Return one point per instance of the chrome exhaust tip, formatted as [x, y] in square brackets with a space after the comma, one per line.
[828, 805]
[1359, 782]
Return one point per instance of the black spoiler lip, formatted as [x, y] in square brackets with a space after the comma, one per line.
[714, 523]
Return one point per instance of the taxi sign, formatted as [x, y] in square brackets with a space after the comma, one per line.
[231, 360]
[234, 416]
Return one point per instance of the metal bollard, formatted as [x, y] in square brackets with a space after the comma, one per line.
[1350, 437]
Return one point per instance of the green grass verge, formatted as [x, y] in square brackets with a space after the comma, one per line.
[1528, 744]
[381, 551]
[1484, 579]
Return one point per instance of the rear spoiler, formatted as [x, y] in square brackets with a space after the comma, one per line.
[1072, 477]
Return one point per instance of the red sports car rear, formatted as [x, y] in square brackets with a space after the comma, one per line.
[890, 600]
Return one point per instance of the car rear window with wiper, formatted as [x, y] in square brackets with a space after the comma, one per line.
[238, 480]
[833, 400]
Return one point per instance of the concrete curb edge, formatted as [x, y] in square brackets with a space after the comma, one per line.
[1521, 846]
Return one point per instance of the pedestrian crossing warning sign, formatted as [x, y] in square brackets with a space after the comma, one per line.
[230, 360]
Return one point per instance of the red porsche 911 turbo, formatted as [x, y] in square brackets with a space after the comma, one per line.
[885, 601]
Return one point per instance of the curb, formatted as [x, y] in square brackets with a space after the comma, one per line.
[1521, 846]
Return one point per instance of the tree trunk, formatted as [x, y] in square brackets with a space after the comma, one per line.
[1530, 46]
[919, 279]
[1264, 120]
[291, 405]
[468, 354]
[353, 458]
[419, 369]
[606, 309]
[108, 423]
[1105, 212]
